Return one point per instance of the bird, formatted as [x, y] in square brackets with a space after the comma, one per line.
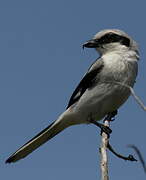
[100, 92]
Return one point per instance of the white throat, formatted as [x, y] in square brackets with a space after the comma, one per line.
[117, 48]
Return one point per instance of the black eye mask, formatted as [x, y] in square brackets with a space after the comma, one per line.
[111, 37]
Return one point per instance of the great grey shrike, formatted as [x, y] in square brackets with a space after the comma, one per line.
[98, 94]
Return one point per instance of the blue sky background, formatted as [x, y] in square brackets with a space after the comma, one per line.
[41, 62]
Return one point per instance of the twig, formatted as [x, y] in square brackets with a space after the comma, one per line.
[129, 158]
[139, 156]
[103, 152]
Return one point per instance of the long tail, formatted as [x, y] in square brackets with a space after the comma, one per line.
[48, 133]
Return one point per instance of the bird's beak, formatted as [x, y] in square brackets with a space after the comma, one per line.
[93, 43]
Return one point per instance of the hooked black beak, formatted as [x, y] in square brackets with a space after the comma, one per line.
[93, 43]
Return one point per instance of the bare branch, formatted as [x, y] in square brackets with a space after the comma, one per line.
[103, 152]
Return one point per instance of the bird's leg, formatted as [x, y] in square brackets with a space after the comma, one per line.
[109, 117]
[103, 128]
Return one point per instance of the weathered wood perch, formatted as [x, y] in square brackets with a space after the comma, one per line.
[103, 152]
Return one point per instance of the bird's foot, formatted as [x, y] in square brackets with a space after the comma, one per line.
[103, 128]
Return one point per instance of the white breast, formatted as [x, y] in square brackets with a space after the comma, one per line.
[120, 67]
[114, 62]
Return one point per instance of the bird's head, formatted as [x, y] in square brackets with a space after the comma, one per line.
[110, 40]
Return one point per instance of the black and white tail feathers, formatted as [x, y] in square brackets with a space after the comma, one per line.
[48, 133]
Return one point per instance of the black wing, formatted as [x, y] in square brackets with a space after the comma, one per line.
[86, 82]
